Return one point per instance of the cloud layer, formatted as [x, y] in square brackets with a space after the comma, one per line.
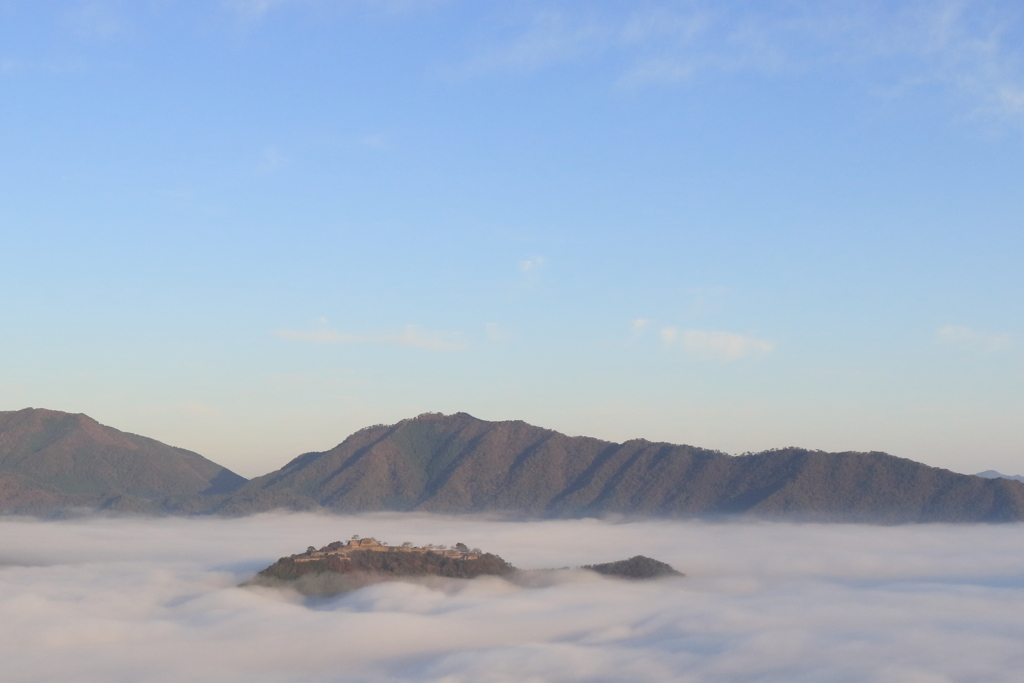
[156, 600]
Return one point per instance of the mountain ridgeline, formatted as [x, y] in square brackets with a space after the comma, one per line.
[52, 462]
[457, 464]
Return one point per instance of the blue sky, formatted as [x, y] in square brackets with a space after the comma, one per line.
[249, 228]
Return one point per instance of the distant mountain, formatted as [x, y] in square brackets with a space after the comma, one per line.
[992, 474]
[459, 464]
[52, 461]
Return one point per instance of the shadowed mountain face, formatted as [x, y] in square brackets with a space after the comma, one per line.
[459, 464]
[51, 461]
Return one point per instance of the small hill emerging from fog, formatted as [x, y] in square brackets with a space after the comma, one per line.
[636, 567]
[339, 566]
[456, 464]
[342, 566]
[52, 461]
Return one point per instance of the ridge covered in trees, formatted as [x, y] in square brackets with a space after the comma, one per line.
[54, 464]
[371, 557]
[458, 464]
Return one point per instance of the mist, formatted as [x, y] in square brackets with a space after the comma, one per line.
[106, 599]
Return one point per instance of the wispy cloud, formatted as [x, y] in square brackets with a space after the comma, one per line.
[551, 36]
[323, 336]
[254, 9]
[375, 141]
[966, 338]
[495, 332]
[410, 335]
[970, 47]
[659, 42]
[720, 346]
[638, 324]
[531, 264]
[271, 160]
[97, 20]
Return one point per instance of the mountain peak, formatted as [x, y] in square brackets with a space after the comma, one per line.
[51, 459]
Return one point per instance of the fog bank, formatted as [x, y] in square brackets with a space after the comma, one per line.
[157, 600]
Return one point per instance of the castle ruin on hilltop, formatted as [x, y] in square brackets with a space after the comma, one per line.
[343, 549]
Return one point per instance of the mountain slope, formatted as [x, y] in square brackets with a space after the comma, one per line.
[459, 464]
[51, 460]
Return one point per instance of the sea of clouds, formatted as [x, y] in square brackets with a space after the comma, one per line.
[114, 600]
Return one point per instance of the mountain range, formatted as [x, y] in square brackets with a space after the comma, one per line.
[458, 464]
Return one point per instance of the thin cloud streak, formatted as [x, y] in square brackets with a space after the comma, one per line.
[119, 600]
[720, 346]
[963, 337]
[253, 10]
[410, 336]
[531, 264]
[971, 48]
[495, 332]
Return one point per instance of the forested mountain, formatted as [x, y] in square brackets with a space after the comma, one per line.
[458, 464]
[52, 461]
